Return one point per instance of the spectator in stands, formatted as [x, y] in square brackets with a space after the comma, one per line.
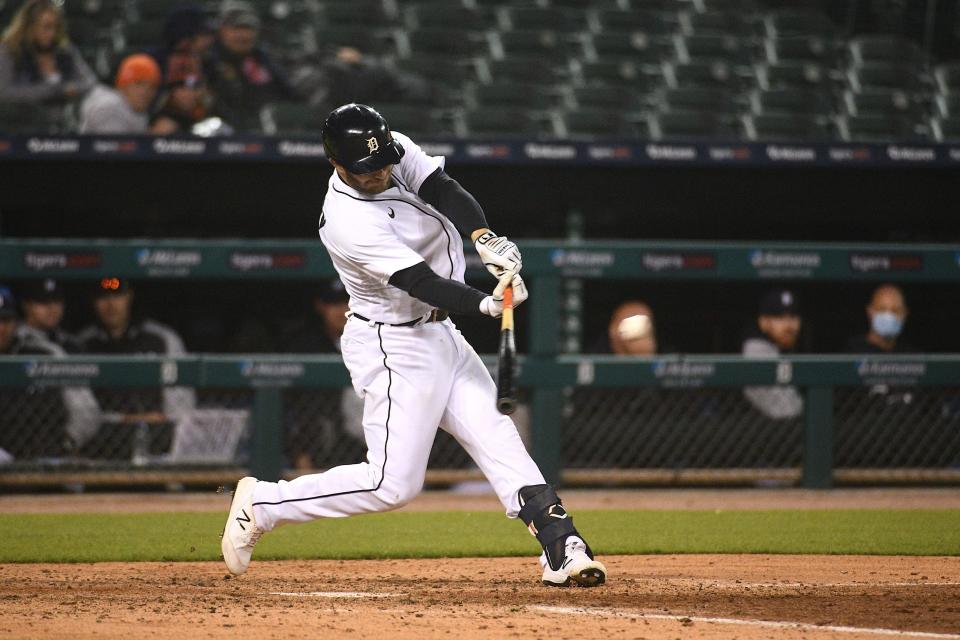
[41, 421]
[320, 333]
[184, 100]
[43, 304]
[189, 32]
[124, 109]
[38, 65]
[775, 332]
[631, 331]
[243, 77]
[117, 332]
[886, 313]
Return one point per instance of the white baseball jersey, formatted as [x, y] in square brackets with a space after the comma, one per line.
[371, 237]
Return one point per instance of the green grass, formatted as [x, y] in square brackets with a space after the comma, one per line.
[196, 536]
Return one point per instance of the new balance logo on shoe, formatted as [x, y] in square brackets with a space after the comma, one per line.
[241, 520]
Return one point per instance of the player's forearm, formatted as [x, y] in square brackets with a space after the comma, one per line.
[453, 201]
[421, 282]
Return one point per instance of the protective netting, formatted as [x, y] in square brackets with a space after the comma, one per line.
[601, 428]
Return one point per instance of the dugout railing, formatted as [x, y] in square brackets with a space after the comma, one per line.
[594, 420]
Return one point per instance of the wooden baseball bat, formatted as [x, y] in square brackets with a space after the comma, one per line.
[506, 372]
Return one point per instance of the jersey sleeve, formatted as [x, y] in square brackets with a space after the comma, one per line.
[416, 165]
[372, 247]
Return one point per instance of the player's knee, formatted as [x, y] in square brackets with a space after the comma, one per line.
[396, 493]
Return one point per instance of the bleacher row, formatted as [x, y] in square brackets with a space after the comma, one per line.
[678, 69]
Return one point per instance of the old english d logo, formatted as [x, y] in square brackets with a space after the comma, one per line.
[373, 145]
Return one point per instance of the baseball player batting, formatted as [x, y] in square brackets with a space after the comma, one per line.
[392, 222]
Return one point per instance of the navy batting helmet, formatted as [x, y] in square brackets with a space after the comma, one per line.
[358, 137]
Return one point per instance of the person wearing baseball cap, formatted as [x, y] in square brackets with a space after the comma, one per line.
[43, 303]
[243, 76]
[775, 332]
[124, 108]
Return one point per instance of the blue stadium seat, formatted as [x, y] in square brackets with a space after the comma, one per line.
[816, 48]
[885, 102]
[703, 73]
[719, 100]
[542, 70]
[607, 96]
[440, 15]
[885, 48]
[449, 42]
[555, 19]
[881, 75]
[791, 74]
[711, 47]
[638, 19]
[637, 46]
[798, 22]
[514, 94]
[545, 43]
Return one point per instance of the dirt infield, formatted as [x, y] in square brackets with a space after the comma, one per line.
[652, 597]
[663, 597]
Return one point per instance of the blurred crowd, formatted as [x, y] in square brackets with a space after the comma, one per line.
[209, 75]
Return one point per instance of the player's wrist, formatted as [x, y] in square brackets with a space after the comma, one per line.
[479, 232]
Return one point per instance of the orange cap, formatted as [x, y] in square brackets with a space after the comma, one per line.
[138, 68]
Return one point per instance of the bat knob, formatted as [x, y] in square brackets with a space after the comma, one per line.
[506, 406]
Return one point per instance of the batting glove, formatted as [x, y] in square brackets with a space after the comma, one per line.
[499, 255]
[492, 305]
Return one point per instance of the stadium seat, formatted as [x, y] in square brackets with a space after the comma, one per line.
[143, 34]
[790, 101]
[555, 19]
[879, 102]
[416, 121]
[702, 73]
[947, 77]
[786, 127]
[605, 96]
[449, 42]
[103, 12]
[531, 69]
[514, 94]
[447, 73]
[885, 48]
[947, 106]
[798, 22]
[599, 123]
[743, 7]
[873, 128]
[884, 76]
[946, 129]
[436, 15]
[544, 43]
[294, 118]
[715, 47]
[372, 42]
[637, 46]
[790, 74]
[638, 19]
[621, 72]
[715, 23]
[818, 49]
[504, 122]
[691, 125]
[695, 99]
[356, 13]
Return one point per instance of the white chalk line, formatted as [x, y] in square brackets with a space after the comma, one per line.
[794, 585]
[333, 594]
[802, 626]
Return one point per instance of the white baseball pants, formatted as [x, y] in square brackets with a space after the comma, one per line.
[413, 380]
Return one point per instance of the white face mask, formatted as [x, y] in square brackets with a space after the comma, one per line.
[887, 324]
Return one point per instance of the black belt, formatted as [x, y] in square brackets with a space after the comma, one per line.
[437, 315]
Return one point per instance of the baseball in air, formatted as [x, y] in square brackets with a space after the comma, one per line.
[634, 327]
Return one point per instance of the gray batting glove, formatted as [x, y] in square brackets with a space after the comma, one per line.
[499, 255]
[492, 305]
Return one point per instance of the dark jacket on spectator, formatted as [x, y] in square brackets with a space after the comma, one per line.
[241, 86]
[22, 82]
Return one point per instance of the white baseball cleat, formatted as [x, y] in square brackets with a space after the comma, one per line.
[241, 532]
[578, 567]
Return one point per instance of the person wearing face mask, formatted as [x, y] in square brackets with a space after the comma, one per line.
[887, 313]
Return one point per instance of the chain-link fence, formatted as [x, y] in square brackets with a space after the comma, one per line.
[610, 429]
